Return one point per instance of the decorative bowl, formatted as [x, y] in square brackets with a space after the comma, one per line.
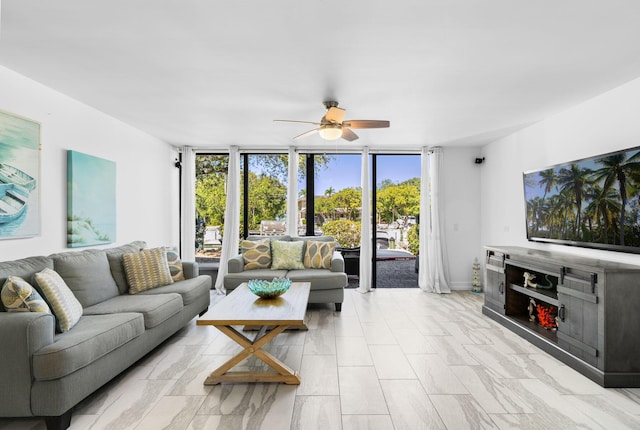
[269, 289]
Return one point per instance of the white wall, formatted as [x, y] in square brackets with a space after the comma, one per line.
[147, 181]
[603, 124]
[461, 192]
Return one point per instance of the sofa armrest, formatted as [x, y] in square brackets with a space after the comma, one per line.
[337, 262]
[235, 264]
[21, 334]
[190, 269]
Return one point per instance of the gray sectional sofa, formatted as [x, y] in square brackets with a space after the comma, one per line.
[44, 373]
[327, 285]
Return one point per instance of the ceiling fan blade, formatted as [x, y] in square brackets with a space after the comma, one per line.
[335, 114]
[307, 133]
[291, 120]
[348, 135]
[366, 123]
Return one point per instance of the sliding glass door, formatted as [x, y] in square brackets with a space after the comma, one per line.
[397, 207]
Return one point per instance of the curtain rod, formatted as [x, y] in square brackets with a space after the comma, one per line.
[305, 150]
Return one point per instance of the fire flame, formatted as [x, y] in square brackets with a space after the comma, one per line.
[546, 316]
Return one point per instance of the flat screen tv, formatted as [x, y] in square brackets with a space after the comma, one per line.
[590, 203]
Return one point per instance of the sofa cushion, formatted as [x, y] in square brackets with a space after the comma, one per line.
[174, 263]
[114, 255]
[318, 255]
[146, 269]
[286, 255]
[19, 296]
[321, 279]
[233, 280]
[155, 308]
[66, 308]
[91, 338]
[189, 289]
[88, 275]
[256, 254]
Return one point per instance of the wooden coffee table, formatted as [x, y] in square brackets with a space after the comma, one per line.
[243, 308]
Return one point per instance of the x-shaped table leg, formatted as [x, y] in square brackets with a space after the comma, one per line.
[282, 372]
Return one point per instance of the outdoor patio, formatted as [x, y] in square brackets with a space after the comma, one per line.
[392, 274]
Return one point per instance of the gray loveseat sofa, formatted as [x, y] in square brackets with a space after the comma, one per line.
[44, 373]
[327, 285]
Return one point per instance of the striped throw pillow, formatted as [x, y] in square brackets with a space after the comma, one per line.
[19, 296]
[66, 308]
[256, 254]
[318, 255]
[147, 269]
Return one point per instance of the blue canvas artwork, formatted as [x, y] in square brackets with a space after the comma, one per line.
[91, 200]
[19, 177]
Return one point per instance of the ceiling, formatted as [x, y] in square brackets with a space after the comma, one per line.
[215, 73]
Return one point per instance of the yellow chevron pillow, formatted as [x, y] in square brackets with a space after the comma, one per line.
[147, 269]
[66, 308]
[318, 255]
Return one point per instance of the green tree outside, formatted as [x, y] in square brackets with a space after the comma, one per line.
[347, 202]
[211, 199]
[396, 201]
[345, 232]
[267, 199]
[413, 239]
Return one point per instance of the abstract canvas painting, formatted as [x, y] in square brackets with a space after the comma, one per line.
[19, 177]
[91, 200]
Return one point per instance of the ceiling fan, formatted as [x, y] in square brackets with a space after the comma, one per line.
[332, 126]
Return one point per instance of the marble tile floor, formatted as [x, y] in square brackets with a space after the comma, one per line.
[392, 359]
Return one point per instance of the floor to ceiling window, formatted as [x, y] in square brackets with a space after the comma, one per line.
[338, 197]
[329, 202]
[397, 207]
[336, 204]
[263, 208]
[211, 184]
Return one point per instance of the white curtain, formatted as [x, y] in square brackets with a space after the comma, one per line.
[188, 205]
[365, 231]
[433, 273]
[230, 238]
[292, 194]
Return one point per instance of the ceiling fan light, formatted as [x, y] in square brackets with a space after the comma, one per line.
[330, 132]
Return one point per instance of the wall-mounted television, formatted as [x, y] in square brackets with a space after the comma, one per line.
[591, 203]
